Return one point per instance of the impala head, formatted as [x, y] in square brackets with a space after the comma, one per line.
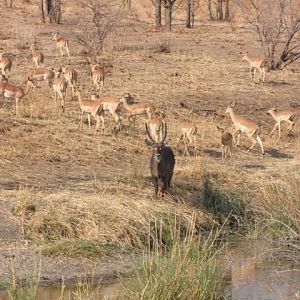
[244, 56]
[157, 146]
[271, 110]
[125, 97]
[3, 78]
[230, 107]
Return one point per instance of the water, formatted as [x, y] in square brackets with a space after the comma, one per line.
[252, 278]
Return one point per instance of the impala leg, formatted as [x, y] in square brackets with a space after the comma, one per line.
[155, 182]
[81, 119]
[279, 129]
[292, 124]
[254, 141]
[238, 138]
[260, 144]
[102, 120]
[89, 120]
[97, 122]
[68, 52]
[251, 73]
[263, 74]
[276, 125]
[61, 51]
[17, 107]
[195, 145]
[254, 73]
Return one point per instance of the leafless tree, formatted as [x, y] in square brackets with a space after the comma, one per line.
[191, 7]
[51, 10]
[157, 4]
[105, 16]
[218, 10]
[277, 23]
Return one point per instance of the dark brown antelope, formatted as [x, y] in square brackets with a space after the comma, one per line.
[162, 161]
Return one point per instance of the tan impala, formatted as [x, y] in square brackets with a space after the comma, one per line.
[138, 109]
[256, 63]
[41, 74]
[37, 56]
[71, 77]
[188, 137]
[282, 116]
[59, 86]
[245, 125]
[5, 64]
[15, 92]
[226, 141]
[90, 107]
[62, 44]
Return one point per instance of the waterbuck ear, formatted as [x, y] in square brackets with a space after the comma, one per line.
[148, 143]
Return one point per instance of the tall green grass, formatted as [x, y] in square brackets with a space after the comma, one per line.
[189, 268]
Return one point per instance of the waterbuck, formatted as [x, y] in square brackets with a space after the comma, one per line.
[162, 161]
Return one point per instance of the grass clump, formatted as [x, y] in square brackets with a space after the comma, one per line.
[189, 269]
[80, 248]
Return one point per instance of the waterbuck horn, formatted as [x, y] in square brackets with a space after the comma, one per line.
[165, 132]
[148, 133]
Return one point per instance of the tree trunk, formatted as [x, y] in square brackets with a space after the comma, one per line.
[211, 17]
[168, 14]
[189, 13]
[219, 10]
[227, 10]
[158, 13]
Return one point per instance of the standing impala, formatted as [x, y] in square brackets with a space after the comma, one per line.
[90, 107]
[62, 44]
[71, 77]
[59, 86]
[245, 125]
[41, 74]
[98, 76]
[162, 161]
[256, 63]
[37, 56]
[16, 92]
[188, 136]
[136, 109]
[282, 116]
[226, 143]
[5, 64]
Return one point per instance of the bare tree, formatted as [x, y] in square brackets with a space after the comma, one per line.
[157, 4]
[277, 23]
[191, 7]
[218, 10]
[169, 7]
[105, 16]
[51, 10]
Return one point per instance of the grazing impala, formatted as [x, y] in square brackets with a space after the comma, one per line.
[256, 63]
[71, 77]
[226, 143]
[162, 161]
[188, 136]
[16, 92]
[245, 125]
[282, 116]
[136, 109]
[91, 107]
[62, 44]
[41, 74]
[155, 127]
[59, 86]
[5, 64]
[37, 57]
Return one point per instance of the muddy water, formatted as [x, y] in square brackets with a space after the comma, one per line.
[251, 279]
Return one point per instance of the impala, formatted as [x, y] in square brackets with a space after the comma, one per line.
[155, 127]
[282, 116]
[162, 161]
[41, 74]
[62, 44]
[12, 91]
[37, 56]
[256, 63]
[5, 64]
[71, 77]
[59, 86]
[3, 79]
[142, 108]
[188, 136]
[245, 125]
[98, 76]
[226, 143]
[91, 107]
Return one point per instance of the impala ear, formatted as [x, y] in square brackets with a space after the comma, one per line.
[148, 143]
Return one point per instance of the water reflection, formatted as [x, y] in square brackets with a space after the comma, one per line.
[256, 281]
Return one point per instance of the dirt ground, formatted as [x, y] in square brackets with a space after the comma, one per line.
[47, 152]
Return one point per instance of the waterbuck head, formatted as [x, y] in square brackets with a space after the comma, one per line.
[159, 145]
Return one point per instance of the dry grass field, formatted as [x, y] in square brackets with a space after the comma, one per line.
[61, 182]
